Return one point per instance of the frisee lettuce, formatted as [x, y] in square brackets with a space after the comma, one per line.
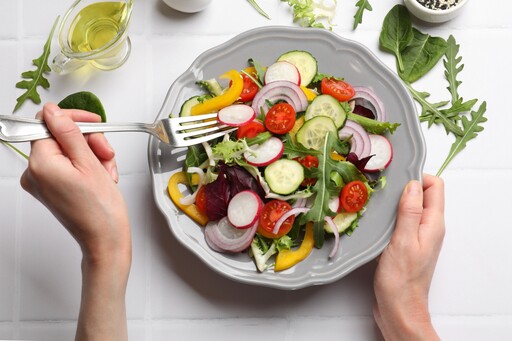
[311, 13]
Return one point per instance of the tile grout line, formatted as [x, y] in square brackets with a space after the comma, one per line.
[19, 195]
[148, 326]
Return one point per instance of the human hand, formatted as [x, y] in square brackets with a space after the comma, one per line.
[75, 177]
[405, 268]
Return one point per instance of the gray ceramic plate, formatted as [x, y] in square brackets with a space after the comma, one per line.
[337, 56]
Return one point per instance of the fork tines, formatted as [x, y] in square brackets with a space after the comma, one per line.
[200, 128]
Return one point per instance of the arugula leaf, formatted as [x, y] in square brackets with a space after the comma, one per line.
[436, 115]
[421, 55]
[361, 5]
[373, 126]
[324, 186]
[310, 13]
[471, 130]
[451, 67]
[260, 70]
[396, 32]
[36, 77]
[293, 150]
[258, 8]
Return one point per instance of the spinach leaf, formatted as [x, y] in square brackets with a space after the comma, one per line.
[396, 33]
[421, 55]
[84, 100]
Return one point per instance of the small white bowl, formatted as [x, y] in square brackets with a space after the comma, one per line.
[434, 16]
[188, 6]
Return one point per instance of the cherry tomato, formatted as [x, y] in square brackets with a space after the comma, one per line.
[280, 118]
[308, 162]
[353, 196]
[338, 89]
[250, 130]
[272, 211]
[201, 200]
[250, 89]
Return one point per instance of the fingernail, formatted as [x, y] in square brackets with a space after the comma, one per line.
[414, 188]
[114, 174]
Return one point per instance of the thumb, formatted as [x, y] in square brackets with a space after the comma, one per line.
[66, 132]
[410, 211]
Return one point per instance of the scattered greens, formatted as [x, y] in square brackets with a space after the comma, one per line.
[258, 8]
[84, 100]
[35, 78]
[310, 13]
[421, 55]
[397, 33]
[361, 5]
[471, 130]
[417, 53]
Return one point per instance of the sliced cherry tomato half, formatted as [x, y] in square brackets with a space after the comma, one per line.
[201, 200]
[353, 196]
[272, 211]
[250, 89]
[338, 89]
[308, 162]
[250, 130]
[280, 119]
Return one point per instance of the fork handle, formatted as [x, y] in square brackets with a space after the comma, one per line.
[22, 129]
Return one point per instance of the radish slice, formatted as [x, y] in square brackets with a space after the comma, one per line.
[223, 237]
[382, 152]
[236, 115]
[294, 211]
[244, 209]
[282, 71]
[367, 99]
[265, 153]
[334, 204]
[276, 91]
[336, 246]
[360, 140]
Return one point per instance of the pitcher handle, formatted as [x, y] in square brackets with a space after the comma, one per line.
[62, 64]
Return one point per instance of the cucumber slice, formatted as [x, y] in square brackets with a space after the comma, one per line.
[304, 62]
[343, 220]
[284, 176]
[312, 133]
[212, 86]
[189, 103]
[326, 105]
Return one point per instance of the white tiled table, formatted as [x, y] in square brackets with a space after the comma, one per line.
[172, 294]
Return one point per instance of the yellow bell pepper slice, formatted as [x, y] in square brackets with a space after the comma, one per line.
[174, 192]
[337, 157]
[310, 94]
[285, 259]
[298, 124]
[218, 102]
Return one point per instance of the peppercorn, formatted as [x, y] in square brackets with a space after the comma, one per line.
[438, 4]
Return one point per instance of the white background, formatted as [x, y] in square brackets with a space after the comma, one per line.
[171, 293]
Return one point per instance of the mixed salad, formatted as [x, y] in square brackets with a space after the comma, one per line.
[308, 153]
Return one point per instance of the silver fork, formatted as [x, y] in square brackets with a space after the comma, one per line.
[177, 132]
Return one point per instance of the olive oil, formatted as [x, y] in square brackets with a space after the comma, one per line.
[96, 25]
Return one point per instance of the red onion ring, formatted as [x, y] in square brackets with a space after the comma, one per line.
[365, 97]
[360, 143]
[294, 211]
[334, 228]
